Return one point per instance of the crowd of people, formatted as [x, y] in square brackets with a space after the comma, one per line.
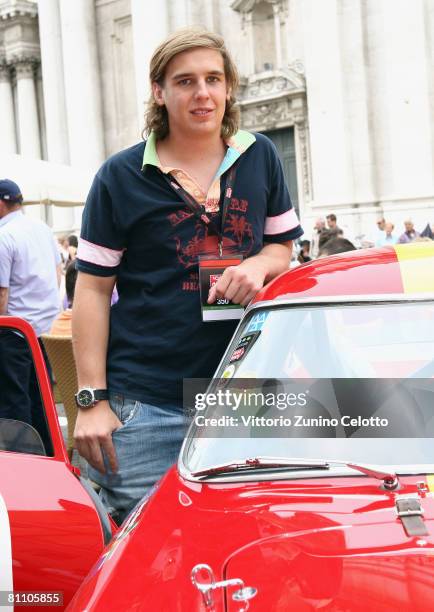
[385, 233]
[329, 239]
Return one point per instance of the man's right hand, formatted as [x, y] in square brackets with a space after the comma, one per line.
[93, 434]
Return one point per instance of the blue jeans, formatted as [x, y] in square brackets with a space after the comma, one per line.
[146, 445]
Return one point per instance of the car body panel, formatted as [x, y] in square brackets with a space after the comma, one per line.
[400, 269]
[52, 525]
[314, 526]
[326, 542]
[55, 531]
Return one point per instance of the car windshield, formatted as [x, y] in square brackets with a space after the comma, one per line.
[355, 343]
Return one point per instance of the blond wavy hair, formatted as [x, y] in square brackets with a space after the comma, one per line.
[156, 117]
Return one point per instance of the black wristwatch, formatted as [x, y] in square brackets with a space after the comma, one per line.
[88, 397]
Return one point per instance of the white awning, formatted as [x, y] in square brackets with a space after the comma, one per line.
[43, 182]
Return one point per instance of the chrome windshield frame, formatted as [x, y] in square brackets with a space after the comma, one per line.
[354, 300]
[380, 298]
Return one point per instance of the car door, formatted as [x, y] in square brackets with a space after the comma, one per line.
[52, 526]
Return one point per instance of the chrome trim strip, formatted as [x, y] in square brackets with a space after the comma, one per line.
[336, 299]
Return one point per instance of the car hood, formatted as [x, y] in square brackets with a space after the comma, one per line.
[318, 543]
[336, 567]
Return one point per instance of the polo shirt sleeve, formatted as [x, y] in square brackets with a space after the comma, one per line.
[101, 242]
[282, 223]
[6, 260]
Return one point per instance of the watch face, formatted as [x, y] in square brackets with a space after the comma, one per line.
[85, 398]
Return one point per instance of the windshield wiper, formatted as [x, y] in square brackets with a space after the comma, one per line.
[260, 463]
[390, 479]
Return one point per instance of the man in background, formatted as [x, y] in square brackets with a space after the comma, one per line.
[318, 228]
[29, 288]
[62, 323]
[410, 233]
[387, 237]
[332, 223]
[334, 246]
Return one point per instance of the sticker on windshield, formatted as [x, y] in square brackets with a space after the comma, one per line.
[257, 322]
[243, 347]
[237, 354]
[229, 371]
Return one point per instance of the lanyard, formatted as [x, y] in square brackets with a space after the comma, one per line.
[198, 210]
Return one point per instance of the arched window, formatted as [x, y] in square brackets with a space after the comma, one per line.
[263, 21]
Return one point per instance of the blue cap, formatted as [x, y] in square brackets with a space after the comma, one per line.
[9, 191]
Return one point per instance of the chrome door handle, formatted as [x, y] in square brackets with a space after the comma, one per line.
[244, 594]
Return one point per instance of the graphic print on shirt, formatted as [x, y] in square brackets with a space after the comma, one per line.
[239, 227]
[238, 235]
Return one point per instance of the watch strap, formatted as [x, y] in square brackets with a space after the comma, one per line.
[100, 394]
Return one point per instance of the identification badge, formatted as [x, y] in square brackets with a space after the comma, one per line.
[210, 270]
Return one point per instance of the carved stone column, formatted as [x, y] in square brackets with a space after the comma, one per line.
[9, 141]
[82, 82]
[54, 101]
[303, 155]
[399, 106]
[178, 14]
[52, 74]
[248, 23]
[28, 123]
[355, 101]
[211, 21]
[144, 13]
[277, 37]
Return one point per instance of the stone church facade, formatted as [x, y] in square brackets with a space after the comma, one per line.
[345, 89]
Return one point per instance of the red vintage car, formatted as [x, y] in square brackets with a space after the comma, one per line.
[52, 524]
[333, 519]
[333, 514]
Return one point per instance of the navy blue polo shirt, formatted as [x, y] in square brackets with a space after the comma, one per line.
[137, 228]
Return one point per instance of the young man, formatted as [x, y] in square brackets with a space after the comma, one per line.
[332, 222]
[142, 229]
